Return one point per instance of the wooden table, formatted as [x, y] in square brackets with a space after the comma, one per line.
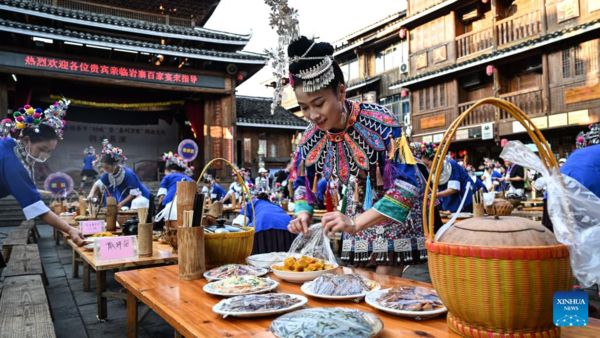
[186, 307]
[161, 254]
[533, 215]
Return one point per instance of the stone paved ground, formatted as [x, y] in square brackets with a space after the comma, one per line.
[75, 310]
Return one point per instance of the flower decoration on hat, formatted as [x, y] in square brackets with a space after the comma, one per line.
[590, 138]
[469, 168]
[30, 117]
[171, 158]
[427, 149]
[108, 149]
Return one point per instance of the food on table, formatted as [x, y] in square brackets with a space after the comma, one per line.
[259, 303]
[241, 284]
[81, 218]
[411, 298]
[104, 234]
[231, 270]
[303, 264]
[341, 285]
[327, 322]
[266, 260]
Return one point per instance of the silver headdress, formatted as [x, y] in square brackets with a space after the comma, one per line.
[316, 77]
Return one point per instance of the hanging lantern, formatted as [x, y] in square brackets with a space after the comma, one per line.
[503, 142]
[404, 93]
[489, 70]
[240, 77]
[485, 1]
[402, 33]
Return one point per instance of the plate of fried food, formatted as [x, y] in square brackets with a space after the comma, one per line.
[300, 269]
[240, 285]
[102, 234]
[267, 304]
[340, 287]
[408, 301]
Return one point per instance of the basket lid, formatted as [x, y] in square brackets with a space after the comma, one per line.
[501, 231]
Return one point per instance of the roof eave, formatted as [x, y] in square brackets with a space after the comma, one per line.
[273, 126]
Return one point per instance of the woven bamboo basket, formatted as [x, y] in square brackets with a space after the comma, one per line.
[233, 247]
[501, 207]
[496, 291]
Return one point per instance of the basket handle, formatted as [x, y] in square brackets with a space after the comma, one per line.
[244, 187]
[538, 139]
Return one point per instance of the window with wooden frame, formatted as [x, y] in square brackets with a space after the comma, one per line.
[432, 97]
[427, 99]
[421, 101]
[577, 57]
[566, 63]
[581, 59]
[442, 95]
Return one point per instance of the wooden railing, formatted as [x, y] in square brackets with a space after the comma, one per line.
[519, 27]
[474, 42]
[481, 114]
[528, 100]
[118, 12]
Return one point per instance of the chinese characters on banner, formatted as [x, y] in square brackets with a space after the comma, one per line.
[567, 9]
[421, 61]
[218, 134]
[112, 71]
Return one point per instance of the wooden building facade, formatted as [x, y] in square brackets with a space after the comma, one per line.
[541, 55]
[126, 63]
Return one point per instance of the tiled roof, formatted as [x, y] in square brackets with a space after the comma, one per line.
[119, 23]
[257, 111]
[134, 45]
[515, 49]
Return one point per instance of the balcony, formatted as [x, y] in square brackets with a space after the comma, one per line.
[508, 31]
[513, 29]
[528, 100]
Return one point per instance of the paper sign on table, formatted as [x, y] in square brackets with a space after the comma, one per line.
[111, 248]
[91, 227]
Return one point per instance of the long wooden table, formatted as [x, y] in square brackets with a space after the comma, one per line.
[161, 254]
[186, 307]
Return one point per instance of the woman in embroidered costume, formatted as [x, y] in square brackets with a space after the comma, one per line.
[118, 180]
[362, 145]
[176, 170]
[38, 134]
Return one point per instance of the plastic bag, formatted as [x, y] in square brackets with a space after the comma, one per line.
[488, 198]
[140, 202]
[574, 211]
[313, 244]
[169, 212]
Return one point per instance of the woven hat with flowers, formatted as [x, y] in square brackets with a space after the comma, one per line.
[428, 149]
[108, 149]
[590, 138]
[29, 117]
[177, 160]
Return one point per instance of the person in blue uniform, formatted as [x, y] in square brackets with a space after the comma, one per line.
[88, 167]
[213, 190]
[118, 180]
[18, 157]
[477, 183]
[176, 170]
[451, 192]
[272, 222]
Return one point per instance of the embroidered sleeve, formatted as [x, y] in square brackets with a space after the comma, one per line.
[398, 201]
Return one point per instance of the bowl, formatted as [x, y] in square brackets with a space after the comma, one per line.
[301, 277]
[266, 260]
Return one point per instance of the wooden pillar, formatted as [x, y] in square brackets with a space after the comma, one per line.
[546, 84]
[494, 32]
[3, 99]
[543, 17]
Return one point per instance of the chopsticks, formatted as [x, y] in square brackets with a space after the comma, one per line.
[478, 196]
[198, 210]
[188, 216]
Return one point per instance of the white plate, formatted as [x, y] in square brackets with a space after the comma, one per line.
[306, 289]
[213, 279]
[266, 260]
[89, 246]
[371, 299]
[208, 289]
[301, 277]
[217, 309]
[461, 215]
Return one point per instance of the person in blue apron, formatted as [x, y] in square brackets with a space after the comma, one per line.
[176, 170]
[477, 183]
[271, 225]
[452, 184]
[118, 180]
[213, 190]
[36, 135]
[88, 167]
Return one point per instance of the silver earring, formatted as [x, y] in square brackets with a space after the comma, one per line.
[344, 114]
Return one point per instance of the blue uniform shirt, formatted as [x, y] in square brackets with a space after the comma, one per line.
[131, 185]
[217, 193]
[15, 180]
[87, 163]
[458, 181]
[583, 166]
[268, 216]
[168, 186]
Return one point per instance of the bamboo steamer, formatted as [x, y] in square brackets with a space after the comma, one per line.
[497, 275]
[500, 207]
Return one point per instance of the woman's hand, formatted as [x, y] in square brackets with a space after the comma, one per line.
[335, 221]
[76, 236]
[301, 223]
[90, 198]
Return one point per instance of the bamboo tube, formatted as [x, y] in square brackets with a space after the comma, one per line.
[82, 206]
[234, 198]
[145, 239]
[111, 214]
[186, 191]
[142, 214]
[478, 210]
[190, 242]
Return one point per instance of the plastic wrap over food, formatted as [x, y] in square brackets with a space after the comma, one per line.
[327, 322]
[574, 211]
[341, 285]
[313, 244]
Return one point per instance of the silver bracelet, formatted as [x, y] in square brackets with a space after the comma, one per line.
[353, 225]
